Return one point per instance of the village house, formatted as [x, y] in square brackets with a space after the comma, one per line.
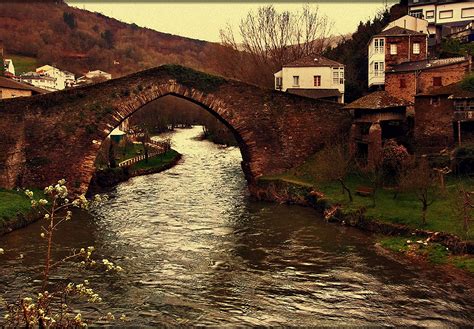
[393, 46]
[314, 77]
[11, 89]
[444, 117]
[377, 117]
[93, 77]
[53, 72]
[38, 80]
[408, 79]
[444, 16]
[9, 67]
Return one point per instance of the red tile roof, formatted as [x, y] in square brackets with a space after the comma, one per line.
[376, 101]
[398, 31]
[313, 60]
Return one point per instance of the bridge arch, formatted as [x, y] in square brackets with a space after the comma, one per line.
[58, 135]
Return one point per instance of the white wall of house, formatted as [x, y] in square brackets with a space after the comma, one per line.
[410, 23]
[305, 78]
[98, 74]
[46, 83]
[376, 61]
[445, 13]
[9, 67]
[54, 72]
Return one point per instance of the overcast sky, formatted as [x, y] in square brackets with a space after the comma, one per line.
[200, 20]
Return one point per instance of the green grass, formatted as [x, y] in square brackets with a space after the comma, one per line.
[433, 252]
[23, 63]
[156, 161]
[129, 151]
[13, 203]
[405, 209]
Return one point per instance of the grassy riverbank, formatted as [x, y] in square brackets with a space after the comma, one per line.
[13, 203]
[157, 162]
[435, 253]
[404, 209]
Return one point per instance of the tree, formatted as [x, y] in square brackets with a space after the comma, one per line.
[333, 163]
[418, 178]
[269, 39]
[70, 20]
[464, 206]
[108, 37]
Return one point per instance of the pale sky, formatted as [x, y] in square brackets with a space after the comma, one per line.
[201, 20]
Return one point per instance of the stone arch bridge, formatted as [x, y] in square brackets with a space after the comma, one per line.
[58, 135]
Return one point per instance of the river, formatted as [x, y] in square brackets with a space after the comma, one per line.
[197, 251]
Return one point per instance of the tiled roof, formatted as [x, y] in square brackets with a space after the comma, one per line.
[12, 84]
[314, 93]
[313, 60]
[398, 31]
[426, 64]
[376, 101]
[454, 90]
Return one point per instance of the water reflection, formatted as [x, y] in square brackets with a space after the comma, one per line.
[196, 251]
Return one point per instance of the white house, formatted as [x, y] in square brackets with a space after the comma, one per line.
[98, 74]
[443, 16]
[39, 80]
[8, 65]
[313, 76]
[54, 72]
[410, 23]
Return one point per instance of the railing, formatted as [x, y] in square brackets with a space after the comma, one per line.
[158, 149]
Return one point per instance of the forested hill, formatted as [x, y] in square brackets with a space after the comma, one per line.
[78, 40]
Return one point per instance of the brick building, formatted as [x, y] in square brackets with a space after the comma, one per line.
[376, 117]
[408, 79]
[394, 46]
[444, 117]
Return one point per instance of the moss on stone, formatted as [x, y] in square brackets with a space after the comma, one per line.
[190, 78]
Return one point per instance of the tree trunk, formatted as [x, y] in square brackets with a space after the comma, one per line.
[423, 212]
[345, 188]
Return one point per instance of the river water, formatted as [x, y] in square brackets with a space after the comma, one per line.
[197, 251]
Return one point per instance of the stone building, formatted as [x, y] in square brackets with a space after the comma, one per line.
[10, 89]
[394, 46]
[408, 79]
[444, 117]
[376, 117]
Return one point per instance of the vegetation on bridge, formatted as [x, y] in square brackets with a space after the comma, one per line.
[193, 79]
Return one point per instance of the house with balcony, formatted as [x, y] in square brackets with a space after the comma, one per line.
[393, 46]
[314, 77]
[444, 17]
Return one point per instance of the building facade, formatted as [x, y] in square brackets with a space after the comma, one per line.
[391, 47]
[313, 76]
[408, 79]
[11, 89]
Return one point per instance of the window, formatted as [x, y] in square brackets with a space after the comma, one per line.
[443, 14]
[379, 45]
[338, 75]
[403, 83]
[393, 49]
[464, 105]
[437, 82]
[296, 81]
[430, 14]
[317, 80]
[467, 12]
[416, 48]
[417, 13]
[379, 68]
[434, 100]
[278, 83]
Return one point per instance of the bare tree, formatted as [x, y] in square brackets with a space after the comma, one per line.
[333, 163]
[419, 178]
[270, 39]
[464, 206]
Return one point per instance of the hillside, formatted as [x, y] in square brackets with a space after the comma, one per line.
[78, 40]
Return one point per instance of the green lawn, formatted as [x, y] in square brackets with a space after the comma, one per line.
[13, 203]
[23, 63]
[405, 209]
[129, 151]
[156, 161]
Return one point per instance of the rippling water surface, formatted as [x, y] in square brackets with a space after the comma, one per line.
[197, 251]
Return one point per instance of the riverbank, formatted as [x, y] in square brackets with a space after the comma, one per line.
[110, 177]
[328, 200]
[15, 210]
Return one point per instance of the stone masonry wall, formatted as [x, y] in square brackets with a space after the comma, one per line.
[404, 49]
[48, 137]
